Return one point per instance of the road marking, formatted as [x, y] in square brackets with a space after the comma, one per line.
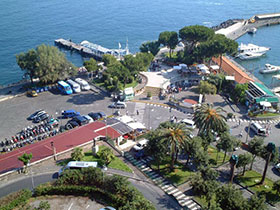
[87, 206]
[70, 206]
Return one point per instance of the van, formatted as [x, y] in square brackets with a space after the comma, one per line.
[70, 113]
[84, 85]
[77, 165]
[189, 123]
[75, 86]
[258, 129]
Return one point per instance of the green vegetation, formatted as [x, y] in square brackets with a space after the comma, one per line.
[121, 74]
[239, 93]
[116, 163]
[178, 176]
[14, 200]
[25, 159]
[251, 180]
[168, 39]
[113, 190]
[207, 88]
[78, 154]
[46, 63]
[265, 114]
[92, 66]
[150, 46]
[216, 157]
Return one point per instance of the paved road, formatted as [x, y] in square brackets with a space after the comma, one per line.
[151, 192]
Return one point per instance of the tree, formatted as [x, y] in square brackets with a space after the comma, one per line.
[91, 65]
[28, 62]
[191, 146]
[239, 93]
[256, 148]
[257, 202]
[150, 46]
[269, 153]
[276, 186]
[173, 135]
[208, 173]
[106, 155]
[194, 34]
[243, 161]
[201, 157]
[217, 80]
[52, 65]
[109, 59]
[207, 88]
[43, 205]
[25, 159]
[155, 147]
[226, 143]
[169, 39]
[77, 154]
[207, 119]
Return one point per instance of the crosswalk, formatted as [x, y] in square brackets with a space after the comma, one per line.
[166, 186]
[254, 121]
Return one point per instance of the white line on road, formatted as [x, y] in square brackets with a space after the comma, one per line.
[87, 206]
[70, 206]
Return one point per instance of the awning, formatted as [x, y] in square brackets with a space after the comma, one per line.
[177, 67]
[136, 125]
[215, 67]
[125, 119]
[265, 103]
[231, 78]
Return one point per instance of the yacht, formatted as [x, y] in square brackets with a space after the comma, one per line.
[252, 31]
[270, 69]
[249, 55]
[251, 51]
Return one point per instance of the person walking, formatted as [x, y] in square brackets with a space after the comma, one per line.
[137, 112]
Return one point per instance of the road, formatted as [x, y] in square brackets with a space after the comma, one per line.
[150, 191]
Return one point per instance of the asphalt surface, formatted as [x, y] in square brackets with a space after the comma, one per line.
[151, 192]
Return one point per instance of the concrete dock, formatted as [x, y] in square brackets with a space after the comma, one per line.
[242, 27]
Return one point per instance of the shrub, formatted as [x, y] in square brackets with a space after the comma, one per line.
[78, 154]
[14, 200]
[229, 115]
[149, 94]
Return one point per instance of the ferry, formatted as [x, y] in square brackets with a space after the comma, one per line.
[270, 69]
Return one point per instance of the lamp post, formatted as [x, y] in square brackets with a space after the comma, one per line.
[54, 150]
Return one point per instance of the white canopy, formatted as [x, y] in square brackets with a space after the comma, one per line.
[202, 66]
[128, 91]
[205, 71]
[136, 125]
[183, 65]
[215, 67]
[230, 78]
[125, 119]
[265, 103]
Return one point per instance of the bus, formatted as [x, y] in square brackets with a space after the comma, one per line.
[64, 88]
[77, 165]
[75, 86]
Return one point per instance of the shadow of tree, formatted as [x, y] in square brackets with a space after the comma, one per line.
[88, 98]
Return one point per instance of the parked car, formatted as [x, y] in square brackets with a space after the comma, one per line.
[84, 85]
[189, 123]
[35, 114]
[140, 145]
[107, 208]
[117, 105]
[70, 113]
[71, 124]
[32, 93]
[90, 120]
[40, 118]
[53, 122]
[81, 120]
[97, 115]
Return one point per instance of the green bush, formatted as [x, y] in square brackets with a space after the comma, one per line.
[229, 115]
[14, 200]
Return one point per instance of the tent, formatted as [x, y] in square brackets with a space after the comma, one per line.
[136, 125]
[125, 119]
[215, 67]
[265, 104]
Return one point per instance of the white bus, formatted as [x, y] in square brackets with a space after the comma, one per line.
[77, 165]
[84, 85]
[189, 123]
[75, 86]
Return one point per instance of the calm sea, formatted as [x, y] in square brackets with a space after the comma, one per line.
[26, 24]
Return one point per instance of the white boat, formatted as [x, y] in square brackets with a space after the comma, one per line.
[249, 55]
[251, 48]
[270, 69]
[252, 31]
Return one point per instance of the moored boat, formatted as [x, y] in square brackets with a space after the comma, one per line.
[252, 31]
[249, 55]
[269, 69]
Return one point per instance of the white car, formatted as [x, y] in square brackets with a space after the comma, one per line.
[119, 104]
[90, 120]
[277, 166]
[189, 123]
[140, 145]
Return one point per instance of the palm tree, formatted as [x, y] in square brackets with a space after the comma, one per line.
[207, 119]
[174, 135]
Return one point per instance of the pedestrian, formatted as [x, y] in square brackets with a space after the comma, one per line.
[239, 122]
[126, 112]
[137, 112]
[170, 109]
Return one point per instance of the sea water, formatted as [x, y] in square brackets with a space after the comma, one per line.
[29, 23]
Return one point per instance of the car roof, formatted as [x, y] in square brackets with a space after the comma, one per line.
[101, 113]
[69, 111]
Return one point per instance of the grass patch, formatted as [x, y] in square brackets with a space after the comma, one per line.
[133, 84]
[251, 180]
[213, 156]
[115, 164]
[201, 200]
[268, 114]
[178, 176]
[98, 82]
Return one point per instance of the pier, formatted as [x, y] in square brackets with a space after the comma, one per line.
[88, 49]
[241, 27]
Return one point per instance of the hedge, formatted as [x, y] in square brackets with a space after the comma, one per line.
[16, 199]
